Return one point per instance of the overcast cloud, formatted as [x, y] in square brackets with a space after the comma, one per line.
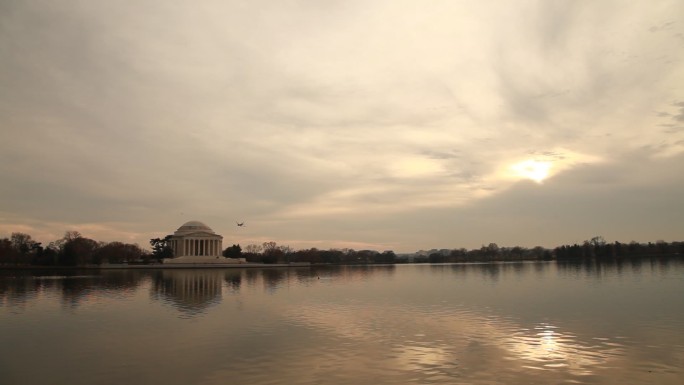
[398, 125]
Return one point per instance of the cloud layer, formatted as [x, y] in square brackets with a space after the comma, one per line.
[394, 124]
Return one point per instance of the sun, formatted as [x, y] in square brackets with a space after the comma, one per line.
[532, 169]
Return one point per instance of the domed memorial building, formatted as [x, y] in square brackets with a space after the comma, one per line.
[197, 243]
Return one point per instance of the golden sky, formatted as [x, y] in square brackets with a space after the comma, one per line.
[399, 125]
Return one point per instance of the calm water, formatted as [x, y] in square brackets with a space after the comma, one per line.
[542, 323]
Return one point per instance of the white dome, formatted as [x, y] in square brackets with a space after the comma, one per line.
[192, 227]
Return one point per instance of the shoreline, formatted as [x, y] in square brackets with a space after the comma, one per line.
[163, 266]
[160, 266]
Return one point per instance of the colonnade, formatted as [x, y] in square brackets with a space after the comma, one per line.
[196, 247]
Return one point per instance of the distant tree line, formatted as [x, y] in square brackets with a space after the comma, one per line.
[72, 249]
[270, 252]
[75, 250]
[491, 252]
[598, 249]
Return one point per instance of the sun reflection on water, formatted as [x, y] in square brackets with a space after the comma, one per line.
[469, 342]
[545, 347]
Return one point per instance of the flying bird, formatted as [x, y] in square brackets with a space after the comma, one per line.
[240, 224]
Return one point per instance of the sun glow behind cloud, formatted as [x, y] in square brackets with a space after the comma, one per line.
[532, 169]
[544, 165]
[402, 183]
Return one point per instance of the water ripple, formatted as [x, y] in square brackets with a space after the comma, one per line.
[464, 334]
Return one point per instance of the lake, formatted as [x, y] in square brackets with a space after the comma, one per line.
[497, 323]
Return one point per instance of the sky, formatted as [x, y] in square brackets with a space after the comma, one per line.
[387, 125]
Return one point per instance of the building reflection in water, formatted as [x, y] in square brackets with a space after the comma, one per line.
[190, 291]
